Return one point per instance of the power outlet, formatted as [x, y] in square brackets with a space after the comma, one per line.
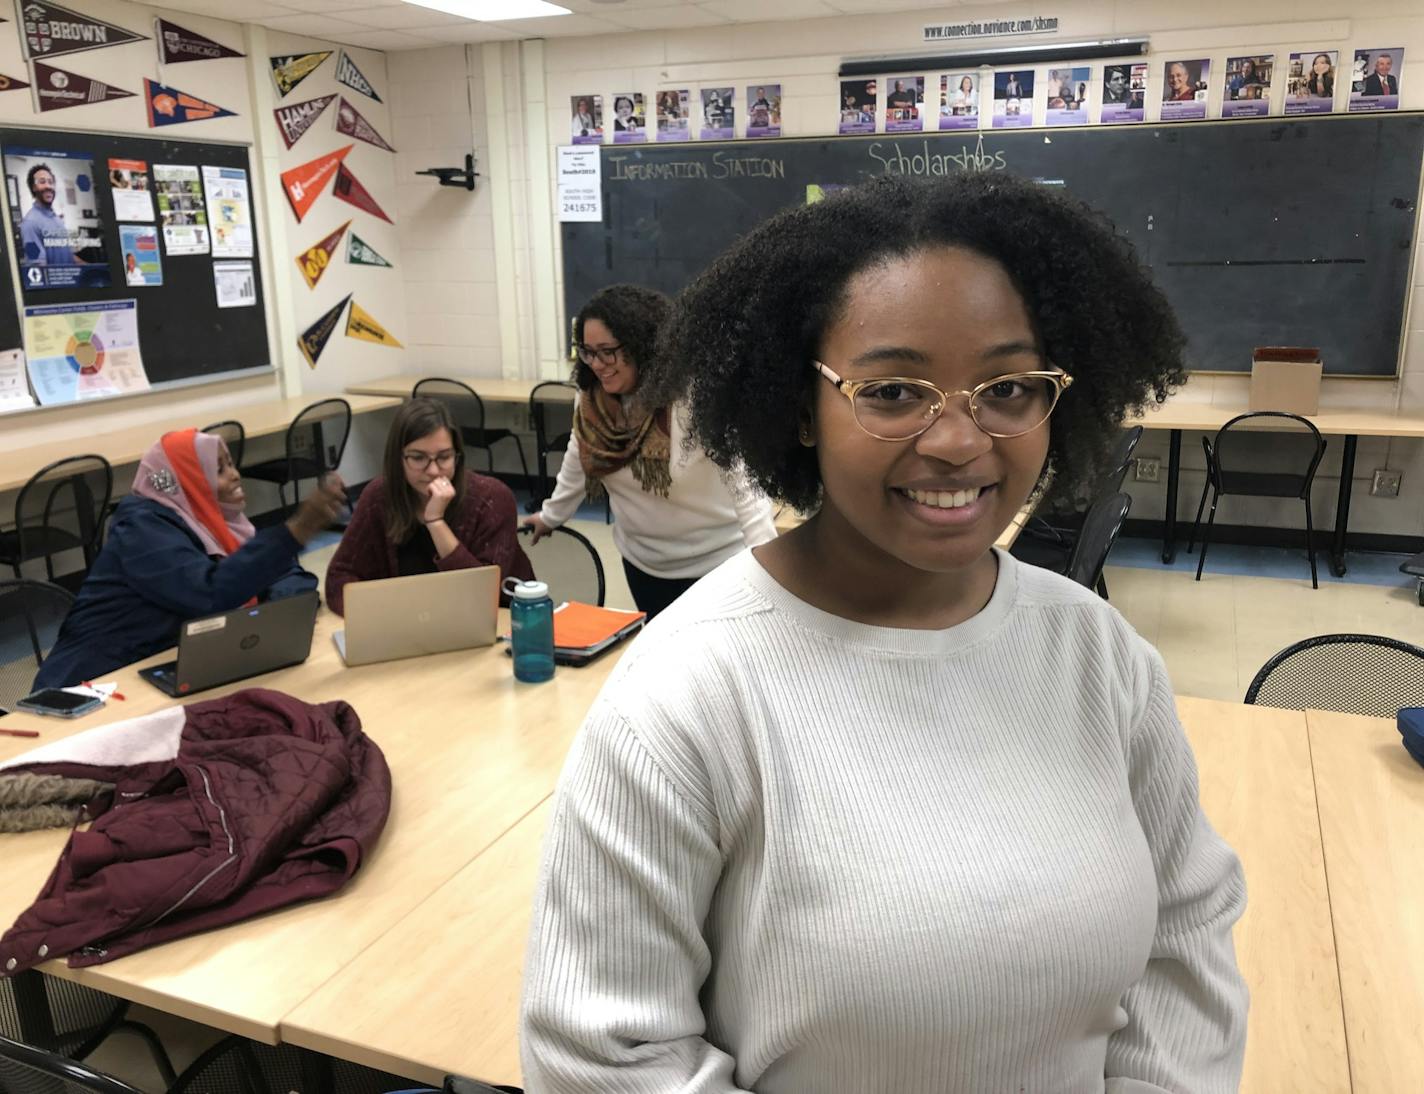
[1385, 483]
[1148, 469]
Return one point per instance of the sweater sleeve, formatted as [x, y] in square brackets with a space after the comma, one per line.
[569, 490]
[1186, 1017]
[616, 951]
[361, 554]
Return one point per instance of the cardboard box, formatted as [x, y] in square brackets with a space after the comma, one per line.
[1286, 378]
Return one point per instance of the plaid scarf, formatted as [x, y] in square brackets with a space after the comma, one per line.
[609, 441]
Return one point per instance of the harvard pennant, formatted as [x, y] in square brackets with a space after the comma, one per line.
[11, 83]
[315, 337]
[361, 253]
[349, 189]
[347, 73]
[178, 44]
[359, 324]
[350, 123]
[303, 184]
[56, 89]
[169, 106]
[294, 120]
[48, 30]
[314, 260]
[291, 69]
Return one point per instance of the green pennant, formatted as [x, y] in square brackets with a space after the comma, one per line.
[361, 253]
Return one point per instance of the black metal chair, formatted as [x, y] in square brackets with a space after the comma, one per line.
[31, 613]
[468, 410]
[1284, 467]
[551, 409]
[230, 431]
[60, 509]
[1095, 541]
[46, 1021]
[570, 565]
[1060, 529]
[315, 442]
[1352, 673]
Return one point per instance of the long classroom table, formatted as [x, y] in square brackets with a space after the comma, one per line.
[490, 389]
[128, 445]
[1177, 414]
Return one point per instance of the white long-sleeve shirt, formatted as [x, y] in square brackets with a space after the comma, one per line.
[793, 854]
[702, 522]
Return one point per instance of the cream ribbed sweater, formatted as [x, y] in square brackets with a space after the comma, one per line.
[793, 854]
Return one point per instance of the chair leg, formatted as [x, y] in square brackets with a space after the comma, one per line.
[523, 464]
[1310, 543]
[1102, 587]
[155, 1048]
[1206, 533]
[1196, 524]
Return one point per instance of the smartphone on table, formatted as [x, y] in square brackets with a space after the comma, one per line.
[58, 704]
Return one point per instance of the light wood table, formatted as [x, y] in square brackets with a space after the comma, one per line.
[490, 389]
[126, 446]
[471, 752]
[1371, 795]
[1176, 415]
[454, 1007]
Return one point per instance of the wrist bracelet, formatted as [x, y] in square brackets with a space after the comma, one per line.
[437, 520]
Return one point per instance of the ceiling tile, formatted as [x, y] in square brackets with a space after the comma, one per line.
[311, 26]
[593, 7]
[556, 26]
[314, 7]
[664, 18]
[403, 17]
[469, 32]
[386, 40]
[245, 11]
[759, 11]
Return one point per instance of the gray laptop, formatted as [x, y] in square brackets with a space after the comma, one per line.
[219, 649]
[424, 613]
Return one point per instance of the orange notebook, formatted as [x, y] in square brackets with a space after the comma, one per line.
[586, 628]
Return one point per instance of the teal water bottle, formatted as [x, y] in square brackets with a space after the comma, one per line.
[531, 627]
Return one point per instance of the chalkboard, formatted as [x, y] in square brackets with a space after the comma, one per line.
[183, 334]
[1268, 232]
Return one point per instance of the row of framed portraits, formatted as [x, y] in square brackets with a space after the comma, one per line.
[1180, 89]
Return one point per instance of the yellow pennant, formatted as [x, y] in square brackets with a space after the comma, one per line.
[359, 324]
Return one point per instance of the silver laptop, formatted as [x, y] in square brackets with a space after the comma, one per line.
[424, 613]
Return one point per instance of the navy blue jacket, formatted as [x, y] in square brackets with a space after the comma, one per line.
[151, 577]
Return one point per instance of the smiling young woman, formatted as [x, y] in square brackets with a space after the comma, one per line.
[876, 807]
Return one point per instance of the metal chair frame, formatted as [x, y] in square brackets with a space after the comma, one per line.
[1383, 709]
[90, 518]
[475, 437]
[525, 530]
[292, 462]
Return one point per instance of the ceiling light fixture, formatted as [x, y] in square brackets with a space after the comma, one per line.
[493, 11]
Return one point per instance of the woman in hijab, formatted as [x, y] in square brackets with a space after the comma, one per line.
[675, 516]
[180, 547]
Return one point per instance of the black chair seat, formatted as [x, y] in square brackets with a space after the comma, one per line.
[276, 471]
[1353, 673]
[1262, 484]
[1040, 551]
[39, 542]
[483, 438]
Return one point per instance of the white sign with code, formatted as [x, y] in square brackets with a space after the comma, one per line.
[580, 183]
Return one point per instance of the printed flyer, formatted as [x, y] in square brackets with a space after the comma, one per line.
[229, 211]
[586, 122]
[904, 100]
[674, 108]
[181, 209]
[858, 105]
[83, 351]
[1065, 96]
[1374, 83]
[128, 182]
[1310, 83]
[719, 115]
[630, 123]
[1248, 86]
[59, 233]
[1013, 99]
[138, 250]
[1124, 94]
[1184, 90]
[959, 101]
[764, 110]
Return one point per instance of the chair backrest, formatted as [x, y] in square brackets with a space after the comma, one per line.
[465, 406]
[551, 408]
[31, 613]
[321, 429]
[1121, 461]
[1289, 445]
[1095, 539]
[1352, 673]
[62, 508]
[28, 1070]
[569, 563]
[233, 435]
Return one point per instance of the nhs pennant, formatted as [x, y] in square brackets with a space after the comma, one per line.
[347, 73]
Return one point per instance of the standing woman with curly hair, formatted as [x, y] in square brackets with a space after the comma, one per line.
[876, 807]
[675, 515]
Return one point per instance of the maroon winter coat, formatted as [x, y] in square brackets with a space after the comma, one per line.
[261, 801]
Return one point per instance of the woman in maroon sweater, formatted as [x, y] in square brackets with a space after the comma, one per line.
[427, 512]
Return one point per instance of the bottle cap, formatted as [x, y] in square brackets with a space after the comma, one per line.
[527, 590]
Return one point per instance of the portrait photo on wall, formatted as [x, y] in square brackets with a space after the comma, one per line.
[1184, 90]
[1065, 96]
[764, 110]
[1013, 99]
[1124, 93]
[1248, 86]
[59, 230]
[1374, 83]
[1310, 82]
[904, 104]
[586, 119]
[959, 101]
[630, 123]
[719, 114]
[673, 109]
[858, 102]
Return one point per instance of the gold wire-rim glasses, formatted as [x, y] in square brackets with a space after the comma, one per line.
[1061, 382]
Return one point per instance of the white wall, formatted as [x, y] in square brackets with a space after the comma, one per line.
[803, 56]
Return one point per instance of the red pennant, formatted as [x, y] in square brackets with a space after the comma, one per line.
[303, 184]
[350, 123]
[56, 89]
[315, 259]
[349, 189]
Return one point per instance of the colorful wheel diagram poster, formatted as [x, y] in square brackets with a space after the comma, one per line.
[84, 351]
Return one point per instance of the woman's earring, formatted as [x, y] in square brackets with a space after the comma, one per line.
[804, 435]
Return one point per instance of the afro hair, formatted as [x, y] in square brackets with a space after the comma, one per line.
[634, 315]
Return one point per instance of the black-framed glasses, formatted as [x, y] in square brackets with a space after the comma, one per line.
[419, 461]
[608, 355]
[896, 408]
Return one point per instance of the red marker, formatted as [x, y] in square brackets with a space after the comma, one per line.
[20, 732]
